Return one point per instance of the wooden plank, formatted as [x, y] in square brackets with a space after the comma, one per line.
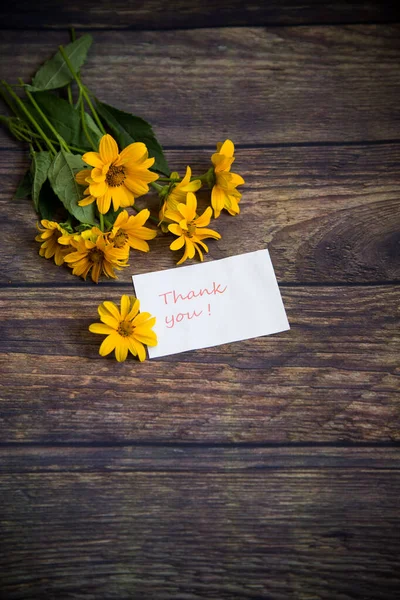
[23, 458]
[254, 85]
[282, 535]
[160, 14]
[333, 376]
[327, 214]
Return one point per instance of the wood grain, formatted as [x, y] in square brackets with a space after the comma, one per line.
[257, 85]
[283, 535]
[333, 376]
[193, 458]
[160, 14]
[327, 214]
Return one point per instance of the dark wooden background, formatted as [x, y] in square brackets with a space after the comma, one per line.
[267, 469]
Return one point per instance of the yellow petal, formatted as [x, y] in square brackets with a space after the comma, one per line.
[98, 188]
[137, 349]
[205, 218]
[98, 175]
[111, 307]
[178, 243]
[142, 318]
[175, 229]
[132, 153]
[122, 196]
[121, 349]
[191, 203]
[125, 306]
[104, 202]
[93, 159]
[134, 310]
[101, 328]
[217, 200]
[227, 148]
[108, 149]
[148, 338]
[109, 343]
[121, 219]
[82, 175]
[108, 318]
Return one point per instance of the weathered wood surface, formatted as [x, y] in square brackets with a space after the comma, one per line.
[267, 469]
[327, 214]
[333, 376]
[162, 14]
[193, 458]
[255, 85]
[282, 534]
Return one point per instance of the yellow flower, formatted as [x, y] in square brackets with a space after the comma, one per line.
[224, 193]
[129, 231]
[50, 236]
[191, 230]
[116, 177]
[179, 191]
[125, 329]
[94, 252]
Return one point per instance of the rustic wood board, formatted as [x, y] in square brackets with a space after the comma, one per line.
[333, 376]
[287, 534]
[254, 85]
[161, 14]
[327, 214]
[185, 457]
[266, 469]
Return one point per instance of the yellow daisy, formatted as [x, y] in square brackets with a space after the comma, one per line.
[126, 330]
[50, 235]
[116, 177]
[129, 231]
[224, 193]
[190, 228]
[95, 253]
[179, 191]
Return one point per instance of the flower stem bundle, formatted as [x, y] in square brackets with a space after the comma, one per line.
[90, 162]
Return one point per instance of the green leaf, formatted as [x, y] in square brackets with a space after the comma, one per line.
[128, 128]
[94, 131]
[49, 205]
[62, 178]
[41, 162]
[24, 188]
[55, 73]
[65, 119]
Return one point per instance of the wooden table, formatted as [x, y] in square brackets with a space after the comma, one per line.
[267, 469]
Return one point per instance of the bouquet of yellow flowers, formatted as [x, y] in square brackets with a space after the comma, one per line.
[89, 162]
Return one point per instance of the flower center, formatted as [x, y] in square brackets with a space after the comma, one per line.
[120, 239]
[191, 228]
[115, 176]
[95, 256]
[125, 328]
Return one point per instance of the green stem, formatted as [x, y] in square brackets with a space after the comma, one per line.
[69, 93]
[23, 129]
[80, 150]
[9, 103]
[94, 112]
[20, 104]
[101, 221]
[86, 130]
[83, 90]
[155, 186]
[54, 131]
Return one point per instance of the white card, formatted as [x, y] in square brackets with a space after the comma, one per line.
[208, 304]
